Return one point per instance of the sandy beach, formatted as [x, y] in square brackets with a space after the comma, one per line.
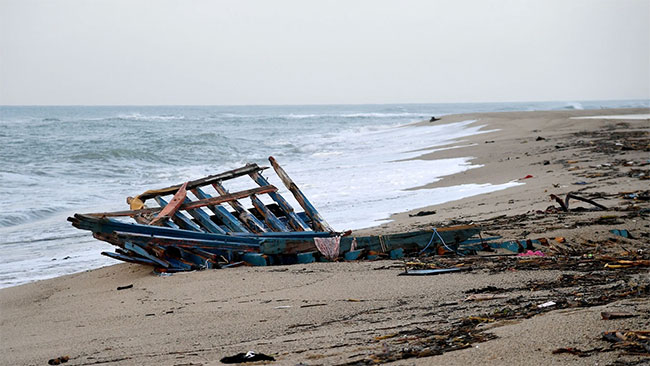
[358, 313]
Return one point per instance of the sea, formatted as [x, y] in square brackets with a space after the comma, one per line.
[356, 163]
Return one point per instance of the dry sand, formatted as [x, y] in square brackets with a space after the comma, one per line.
[354, 313]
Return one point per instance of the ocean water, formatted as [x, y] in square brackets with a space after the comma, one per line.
[351, 161]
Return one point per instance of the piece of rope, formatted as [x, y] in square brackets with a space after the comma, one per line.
[382, 243]
[435, 232]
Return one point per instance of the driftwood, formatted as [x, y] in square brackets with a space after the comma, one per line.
[565, 204]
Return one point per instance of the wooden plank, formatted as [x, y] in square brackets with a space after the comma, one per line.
[109, 226]
[179, 218]
[204, 219]
[170, 209]
[195, 204]
[203, 181]
[318, 222]
[271, 220]
[226, 217]
[249, 220]
[296, 222]
[165, 241]
[130, 259]
[143, 253]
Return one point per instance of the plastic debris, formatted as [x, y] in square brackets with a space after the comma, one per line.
[530, 253]
[546, 304]
[249, 356]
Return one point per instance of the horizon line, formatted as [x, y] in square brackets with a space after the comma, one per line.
[315, 104]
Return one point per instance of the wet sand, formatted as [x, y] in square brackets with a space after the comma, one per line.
[363, 312]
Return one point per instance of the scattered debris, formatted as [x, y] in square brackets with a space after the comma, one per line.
[431, 272]
[423, 213]
[58, 360]
[547, 304]
[606, 315]
[249, 356]
[483, 297]
[565, 204]
[634, 342]
[575, 351]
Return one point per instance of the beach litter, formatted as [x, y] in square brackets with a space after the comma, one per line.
[607, 315]
[58, 360]
[249, 356]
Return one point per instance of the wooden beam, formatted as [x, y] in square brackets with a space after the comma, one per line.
[249, 168]
[246, 217]
[296, 222]
[226, 217]
[318, 221]
[195, 204]
[271, 220]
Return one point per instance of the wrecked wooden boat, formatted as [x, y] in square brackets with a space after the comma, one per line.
[190, 227]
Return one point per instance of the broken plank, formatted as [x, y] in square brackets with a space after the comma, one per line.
[226, 217]
[318, 221]
[271, 220]
[179, 218]
[294, 220]
[203, 181]
[195, 204]
[249, 220]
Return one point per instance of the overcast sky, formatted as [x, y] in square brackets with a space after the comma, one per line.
[322, 52]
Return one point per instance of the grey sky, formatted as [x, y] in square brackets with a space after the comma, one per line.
[314, 52]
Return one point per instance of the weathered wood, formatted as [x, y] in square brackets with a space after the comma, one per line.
[129, 259]
[143, 253]
[271, 220]
[296, 222]
[204, 219]
[203, 181]
[195, 204]
[108, 226]
[318, 221]
[226, 217]
[179, 218]
[170, 209]
[249, 220]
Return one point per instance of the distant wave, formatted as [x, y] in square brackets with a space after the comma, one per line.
[14, 219]
[574, 106]
[141, 117]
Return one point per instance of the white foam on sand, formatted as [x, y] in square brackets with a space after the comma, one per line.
[358, 180]
[619, 116]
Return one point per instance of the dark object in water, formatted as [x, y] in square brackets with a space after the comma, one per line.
[250, 356]
[184, 233]
[433, 119]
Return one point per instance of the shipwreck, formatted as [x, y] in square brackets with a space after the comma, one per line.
[200, 224]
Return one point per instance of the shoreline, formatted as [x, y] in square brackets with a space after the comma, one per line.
[330, 313]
